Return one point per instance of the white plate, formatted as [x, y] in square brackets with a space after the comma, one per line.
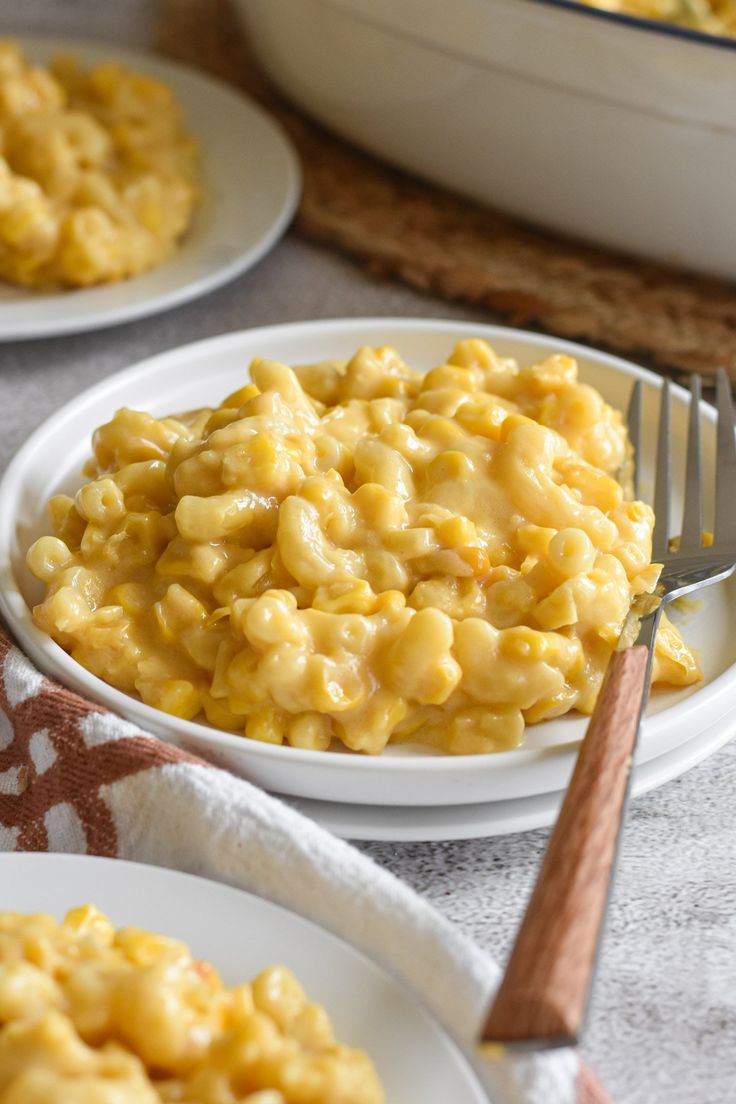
[496, 818]
[251, 181]
[241, 934]
[52, 459]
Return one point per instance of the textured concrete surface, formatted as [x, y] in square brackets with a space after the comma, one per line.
[663, 1022]
[663, 1026]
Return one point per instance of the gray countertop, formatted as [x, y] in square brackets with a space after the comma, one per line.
[663, 1027]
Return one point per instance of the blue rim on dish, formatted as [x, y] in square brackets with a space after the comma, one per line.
[702, 38]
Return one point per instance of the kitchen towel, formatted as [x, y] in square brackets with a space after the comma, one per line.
[76, 777]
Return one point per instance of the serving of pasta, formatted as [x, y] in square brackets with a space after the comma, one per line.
[94, 1015]
[356, 553]
[98, 177]
[712, 16]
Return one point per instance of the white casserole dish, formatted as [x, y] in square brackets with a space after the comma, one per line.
[610, 129]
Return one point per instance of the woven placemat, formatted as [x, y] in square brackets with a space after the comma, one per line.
[402, 227]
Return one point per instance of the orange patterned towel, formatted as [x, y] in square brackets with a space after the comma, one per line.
[75, 777]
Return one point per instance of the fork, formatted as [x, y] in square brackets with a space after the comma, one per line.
[543, 997]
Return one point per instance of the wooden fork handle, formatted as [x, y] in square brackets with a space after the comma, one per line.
[543, 996]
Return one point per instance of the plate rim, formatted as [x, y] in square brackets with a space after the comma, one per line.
[534, 812]
[143, 870]
[170, 70]
[54, 661]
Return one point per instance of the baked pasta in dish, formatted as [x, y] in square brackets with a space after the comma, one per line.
[98, 178]
[91, 1015]
[712, 16]
[361, 552]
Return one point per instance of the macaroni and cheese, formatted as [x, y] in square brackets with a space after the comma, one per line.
[98, 178]
[91, 1015]
[712, 16]
[358, 551]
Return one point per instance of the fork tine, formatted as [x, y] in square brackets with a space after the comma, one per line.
[725, 517]
[692, 515]
[633, 423]
[663, 478]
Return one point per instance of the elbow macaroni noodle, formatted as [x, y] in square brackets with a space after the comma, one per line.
[712, 16]
[98, 179]
[91, 1015]
[357, 551]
